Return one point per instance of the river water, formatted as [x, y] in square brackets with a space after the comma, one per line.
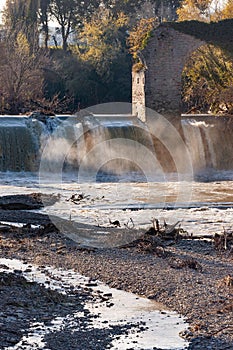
[118, 172]
[152, 325]
[172, 170]
[207, 209]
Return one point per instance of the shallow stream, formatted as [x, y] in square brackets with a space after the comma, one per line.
[151, 324]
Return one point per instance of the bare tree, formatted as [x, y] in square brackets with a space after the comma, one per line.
[21, 15]
[43, 13]
[70, 15]
[21, 73]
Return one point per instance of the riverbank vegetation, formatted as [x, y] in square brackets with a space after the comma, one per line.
[61, 56]
[208, 74]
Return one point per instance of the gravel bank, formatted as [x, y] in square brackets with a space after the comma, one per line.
[189, 277]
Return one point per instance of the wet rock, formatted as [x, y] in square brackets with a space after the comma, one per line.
[186, 334]
[28, 201]
[42, 116]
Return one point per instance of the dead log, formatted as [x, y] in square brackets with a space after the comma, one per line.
[166, 231]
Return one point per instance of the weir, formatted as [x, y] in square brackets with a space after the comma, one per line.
[100, 146]
[209, 140]
[18, 146]
[111, 144]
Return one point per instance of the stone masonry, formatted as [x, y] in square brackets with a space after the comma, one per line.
[160, 84]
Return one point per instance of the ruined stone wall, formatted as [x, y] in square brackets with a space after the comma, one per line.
[165, 56]
[138, 95]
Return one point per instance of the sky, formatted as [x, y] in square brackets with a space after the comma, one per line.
[2, 3]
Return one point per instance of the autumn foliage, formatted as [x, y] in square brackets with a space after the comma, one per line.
[208, 75]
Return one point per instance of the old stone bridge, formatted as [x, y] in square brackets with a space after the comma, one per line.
[159, 86]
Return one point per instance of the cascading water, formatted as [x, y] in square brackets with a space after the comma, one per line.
[18, 146]
[100, 145]
[119, 146]
[108, 144]
[210, 141]
[21, 138]
[193, 134]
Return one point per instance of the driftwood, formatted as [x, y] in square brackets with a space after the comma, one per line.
[129, 224]
[147, 244]
[223, 241]
[153, 240]
[165, 231]
[77, 197]
[177, 263]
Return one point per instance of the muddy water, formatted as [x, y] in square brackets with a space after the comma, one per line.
[206, 207]
[201, 206]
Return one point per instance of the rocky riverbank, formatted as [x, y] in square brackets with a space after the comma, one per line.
[189, 276]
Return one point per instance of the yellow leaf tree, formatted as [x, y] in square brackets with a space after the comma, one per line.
[101, 39]
[205, 10]
[207, 76]
[194, 10]
[138, 38]
[227, 11]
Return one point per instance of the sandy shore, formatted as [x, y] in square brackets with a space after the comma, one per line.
[190, 277]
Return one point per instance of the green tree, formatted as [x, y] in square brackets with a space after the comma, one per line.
[207, 77]
[208, 81]
[164, 10]
[72, 81]
[31, 22]
[102, 45]
[135, 10]
[128, 7]
[14, 13]
[103, 39]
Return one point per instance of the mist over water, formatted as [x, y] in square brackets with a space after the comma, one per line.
[168, 160]
[179, 170]
[169, 170]
[114, 146]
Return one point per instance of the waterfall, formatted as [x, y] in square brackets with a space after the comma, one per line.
[110, 144]
[194, 134]
[96, 146]
[120, 146]
[18, 147]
